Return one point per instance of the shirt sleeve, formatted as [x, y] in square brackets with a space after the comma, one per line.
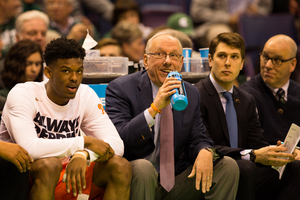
[96, 122]
[149, 118]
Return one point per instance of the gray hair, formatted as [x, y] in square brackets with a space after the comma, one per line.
[149, 43]
[29, 15]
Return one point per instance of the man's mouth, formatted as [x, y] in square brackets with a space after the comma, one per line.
[167, 70]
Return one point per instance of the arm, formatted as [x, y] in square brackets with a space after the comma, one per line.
[102, 7]
[16, 155]
[97, 124]
[264, 7]
[127, 113]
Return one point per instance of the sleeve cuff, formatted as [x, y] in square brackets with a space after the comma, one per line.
[92, 157]
[149, 119]
[245, 154]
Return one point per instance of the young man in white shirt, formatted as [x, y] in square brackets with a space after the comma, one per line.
[47, 120]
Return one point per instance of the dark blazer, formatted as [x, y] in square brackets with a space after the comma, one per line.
[274, 117]
[249, 130]
[127, 98]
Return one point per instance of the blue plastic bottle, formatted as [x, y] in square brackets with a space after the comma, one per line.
[178, 100]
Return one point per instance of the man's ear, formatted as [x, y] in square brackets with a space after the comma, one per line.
[145, 58]
[48, 72]
[125, 47]
[293, 65]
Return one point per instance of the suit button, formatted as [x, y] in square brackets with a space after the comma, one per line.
[280, 111]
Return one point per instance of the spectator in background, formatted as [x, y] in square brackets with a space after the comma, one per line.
[130, 38]
[30, 5]
[101, 7]
[24, 62]
[128, 10]
[109, 47]
[33, 25]
[9, 9]
[59, 12]
[216, 16]
[289, 6]
[181, 22]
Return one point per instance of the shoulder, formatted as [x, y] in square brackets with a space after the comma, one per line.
[191, 89]
[254, 86]
[205, 86]
[252, 83]
[294, 85]
[27, 88]
[294, 89]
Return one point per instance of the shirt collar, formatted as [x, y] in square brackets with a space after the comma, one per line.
[284, 87]
[218, 87]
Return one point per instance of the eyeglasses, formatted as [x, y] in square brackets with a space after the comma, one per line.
[275, 61]
[173, 56]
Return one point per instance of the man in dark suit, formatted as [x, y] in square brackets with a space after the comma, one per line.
[250, 149]
[133, 103]
[277, 62]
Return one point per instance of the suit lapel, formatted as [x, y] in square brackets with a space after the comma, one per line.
[144, 95]
[238, 109]
[217, 105]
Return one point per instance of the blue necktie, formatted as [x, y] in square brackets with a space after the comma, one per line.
[231, 120]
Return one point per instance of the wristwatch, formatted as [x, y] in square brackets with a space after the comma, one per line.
[252, 155]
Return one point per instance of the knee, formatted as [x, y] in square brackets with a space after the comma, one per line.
[46, 169]
[293, 169]
[120, 169]
[247, 169]
[230, 166]
[143, 169]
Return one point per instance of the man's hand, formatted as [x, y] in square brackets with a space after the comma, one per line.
[297, 152]
[99, 147]
[272, 155]
[75, 173]
[162, 98]
[203, 168]
[15, 154]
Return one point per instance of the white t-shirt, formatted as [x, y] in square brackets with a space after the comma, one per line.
[46, 129]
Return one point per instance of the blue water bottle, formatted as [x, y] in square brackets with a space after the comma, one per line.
[178, 100]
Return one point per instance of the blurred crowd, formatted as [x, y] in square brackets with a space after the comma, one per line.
[44, 20]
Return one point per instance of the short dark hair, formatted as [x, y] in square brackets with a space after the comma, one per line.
[15, 63]
[232, 39]
[122, 6]
[63, 48]
[106, 42]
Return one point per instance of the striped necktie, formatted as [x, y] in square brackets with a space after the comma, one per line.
[280, 93]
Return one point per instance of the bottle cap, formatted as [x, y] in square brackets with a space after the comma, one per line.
[179, 102]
